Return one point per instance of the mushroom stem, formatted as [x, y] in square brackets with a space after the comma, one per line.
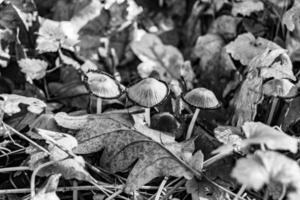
[192, 124]
[147, 116]
[273, 108]
[99, 105]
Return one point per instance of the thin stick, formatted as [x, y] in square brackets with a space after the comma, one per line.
[115, 194]
[283, 193]
[147, 116]
[32, 181]
[213, 159]
[161, 187]
[26, 138]
[241, 191]
[11, 169]
[179, 184]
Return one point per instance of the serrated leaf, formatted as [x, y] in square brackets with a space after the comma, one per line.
[245, 47]
[33, 68]
[291, 17]
[11, 103]
[266, 166]
[246, 7]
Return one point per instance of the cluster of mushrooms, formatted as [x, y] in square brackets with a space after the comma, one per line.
[147, 93]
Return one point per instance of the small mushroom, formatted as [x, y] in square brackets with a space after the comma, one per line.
[278, 88]
[148, 93]
[200, 98]
[103, 86]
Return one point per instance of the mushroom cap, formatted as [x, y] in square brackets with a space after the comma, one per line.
[102, 85]
[282, 88]
[148, 92]
[201, 98]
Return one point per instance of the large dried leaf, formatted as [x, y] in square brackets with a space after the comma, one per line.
[246, 7]
[245, 47]
[11, 102]
[123, 147]
[263, 167]
[154, 160]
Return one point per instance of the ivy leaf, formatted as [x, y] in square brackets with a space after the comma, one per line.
[263, 167]
[246, 7]
[33, 68]
[291, 17]
[48, 191]
[11, 102]
[228, 134]
[245, 47]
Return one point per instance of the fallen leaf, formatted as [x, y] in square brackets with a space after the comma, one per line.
[10, 104]
[259, 133]
[246, 7]
[48, 191]
[245, 47]
[264, 167]
[202, 189]
[33, 68]
[291, 17]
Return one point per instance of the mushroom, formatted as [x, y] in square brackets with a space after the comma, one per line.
[278, 88]
[200, 98]
[148, 93]
[103, 86]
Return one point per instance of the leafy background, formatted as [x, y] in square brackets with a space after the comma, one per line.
[54, 139]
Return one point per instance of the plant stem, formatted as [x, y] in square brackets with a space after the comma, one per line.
[75, 192]
[192, 124]
[114, 194]
[213, 159]
[99, 105]
[147, 116]
[272, 111]
[241, 191]
[10, 169]
[161, 187]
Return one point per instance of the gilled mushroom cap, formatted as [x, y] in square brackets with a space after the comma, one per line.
[201, 98]
[102, 85]
[282, 88]
[148, 92]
